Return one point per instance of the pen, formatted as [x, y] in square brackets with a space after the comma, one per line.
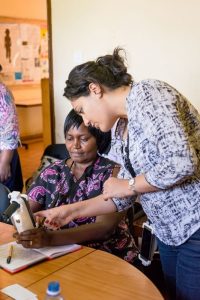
[10, 254]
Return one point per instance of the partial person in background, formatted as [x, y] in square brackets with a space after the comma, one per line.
[9, 140]
[77, 179]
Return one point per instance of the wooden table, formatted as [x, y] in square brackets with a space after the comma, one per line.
[28, 102]
[36, 272]
[84, 274]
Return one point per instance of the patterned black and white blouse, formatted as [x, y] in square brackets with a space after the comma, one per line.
[164, 145]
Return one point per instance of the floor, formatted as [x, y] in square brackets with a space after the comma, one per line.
[30, 158]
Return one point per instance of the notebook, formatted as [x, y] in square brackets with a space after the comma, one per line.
[24, 257]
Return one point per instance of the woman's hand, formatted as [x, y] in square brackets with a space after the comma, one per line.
[34, 238]
[5, 171]
[5, 160]
[114, 187]
[58, 216]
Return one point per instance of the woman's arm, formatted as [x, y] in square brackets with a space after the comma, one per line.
[9, 131]
[5, 160]
[34, 205]
[120, 188]
[168, 125]
[59, 216]
[100, 230]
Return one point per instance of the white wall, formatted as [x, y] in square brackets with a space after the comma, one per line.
[162, 39]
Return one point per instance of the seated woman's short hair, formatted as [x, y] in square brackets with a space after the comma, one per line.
[103, 139]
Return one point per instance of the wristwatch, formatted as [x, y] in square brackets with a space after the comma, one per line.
[131, 184]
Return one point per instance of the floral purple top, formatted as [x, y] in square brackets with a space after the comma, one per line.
[56, 185]
[9, 128]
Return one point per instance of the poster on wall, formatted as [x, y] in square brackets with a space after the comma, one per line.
[10, 50]
[24, 56]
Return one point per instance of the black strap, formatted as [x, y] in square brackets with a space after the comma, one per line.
[129, 167]
[128, 164]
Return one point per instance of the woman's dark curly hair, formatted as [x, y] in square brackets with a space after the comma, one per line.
[103, 139]
[109, 71]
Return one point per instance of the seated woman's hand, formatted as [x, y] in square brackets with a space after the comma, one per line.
[58, 216]
[34, 238]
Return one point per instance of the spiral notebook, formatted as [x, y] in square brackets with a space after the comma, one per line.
[24, 257]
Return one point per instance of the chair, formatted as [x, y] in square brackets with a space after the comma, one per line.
[154, 272]
[5, 201]
[58, 151]
[51, 153]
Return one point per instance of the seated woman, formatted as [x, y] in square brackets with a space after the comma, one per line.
[73, 180]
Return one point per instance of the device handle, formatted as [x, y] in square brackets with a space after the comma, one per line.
[10, 211]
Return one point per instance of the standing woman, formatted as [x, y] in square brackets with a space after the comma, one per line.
[160, 143]
[9, 138]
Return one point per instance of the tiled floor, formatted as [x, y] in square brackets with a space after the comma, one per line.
[30, 158]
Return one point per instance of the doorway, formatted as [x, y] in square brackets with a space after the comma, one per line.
[34, 113]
